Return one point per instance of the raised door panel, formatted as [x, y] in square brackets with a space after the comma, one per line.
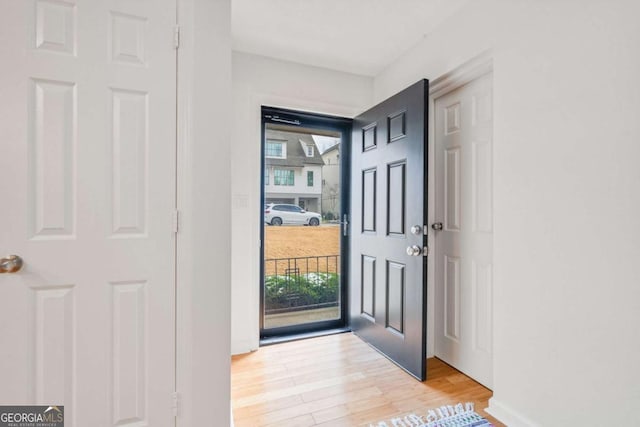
[396, 297]
[55, 26]
[369, 137]
[396, 198]
[128, 38]
[397, 126]
[368, 287]
[130, 144]
[369, 195]
[482, 186]
[54, 338]
[452, 190]
[129, 381]
[482, 306]
[452, 297]
[52, 159]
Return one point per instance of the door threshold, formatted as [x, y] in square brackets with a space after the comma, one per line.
[302, 336]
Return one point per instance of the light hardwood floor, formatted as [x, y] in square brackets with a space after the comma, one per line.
[338, 380]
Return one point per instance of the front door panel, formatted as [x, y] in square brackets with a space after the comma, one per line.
[388, 289]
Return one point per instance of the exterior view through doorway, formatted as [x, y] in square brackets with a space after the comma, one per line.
[304, 222]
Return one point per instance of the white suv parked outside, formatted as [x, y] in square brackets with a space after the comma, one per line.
[280, 213]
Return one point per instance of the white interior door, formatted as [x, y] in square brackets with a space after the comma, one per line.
[87, 177]
[464, 246]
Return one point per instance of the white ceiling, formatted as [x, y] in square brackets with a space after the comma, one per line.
[356, 36]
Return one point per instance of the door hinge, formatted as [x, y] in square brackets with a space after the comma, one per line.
[176, 37]
[175, 221]
[425, 251]
[175, 401]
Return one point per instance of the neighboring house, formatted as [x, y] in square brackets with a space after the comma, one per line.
[293, 170]
[331, 183]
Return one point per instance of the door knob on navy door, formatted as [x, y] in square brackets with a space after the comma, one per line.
[414, 250]
[10, 264]
[417, 230]
[436, 226]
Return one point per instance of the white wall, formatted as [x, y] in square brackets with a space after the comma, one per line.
[567, 200]
[204, 273]
[261, 81]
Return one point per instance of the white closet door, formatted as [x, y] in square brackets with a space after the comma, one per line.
[87, 177]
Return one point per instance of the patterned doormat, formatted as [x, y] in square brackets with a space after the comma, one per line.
[445, 416]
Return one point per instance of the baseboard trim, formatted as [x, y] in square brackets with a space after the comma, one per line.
[242, 347]
[507, 415]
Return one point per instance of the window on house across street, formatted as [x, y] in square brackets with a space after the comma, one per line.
[274, 149]
[283, 177]
[309, 178]
[309, 150]
[266, 176]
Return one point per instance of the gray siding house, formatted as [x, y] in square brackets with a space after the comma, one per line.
[293, 170]
[331, 183]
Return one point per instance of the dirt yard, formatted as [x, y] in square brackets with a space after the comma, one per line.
[300, 241]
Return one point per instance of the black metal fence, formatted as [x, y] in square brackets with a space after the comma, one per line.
[301, 283]
[301, 265]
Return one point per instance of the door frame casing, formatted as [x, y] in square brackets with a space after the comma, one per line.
[203, 290]
[463, 74]
[321, 122]
[256, 99]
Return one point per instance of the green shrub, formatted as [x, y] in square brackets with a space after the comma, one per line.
[305, 289]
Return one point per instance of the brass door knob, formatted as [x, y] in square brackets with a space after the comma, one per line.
[10, 264]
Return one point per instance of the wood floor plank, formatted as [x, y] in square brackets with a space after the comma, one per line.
[301, 421]
[295, 389]
[324, 415]
[266, 407]
[255, 388]
[337, 381]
